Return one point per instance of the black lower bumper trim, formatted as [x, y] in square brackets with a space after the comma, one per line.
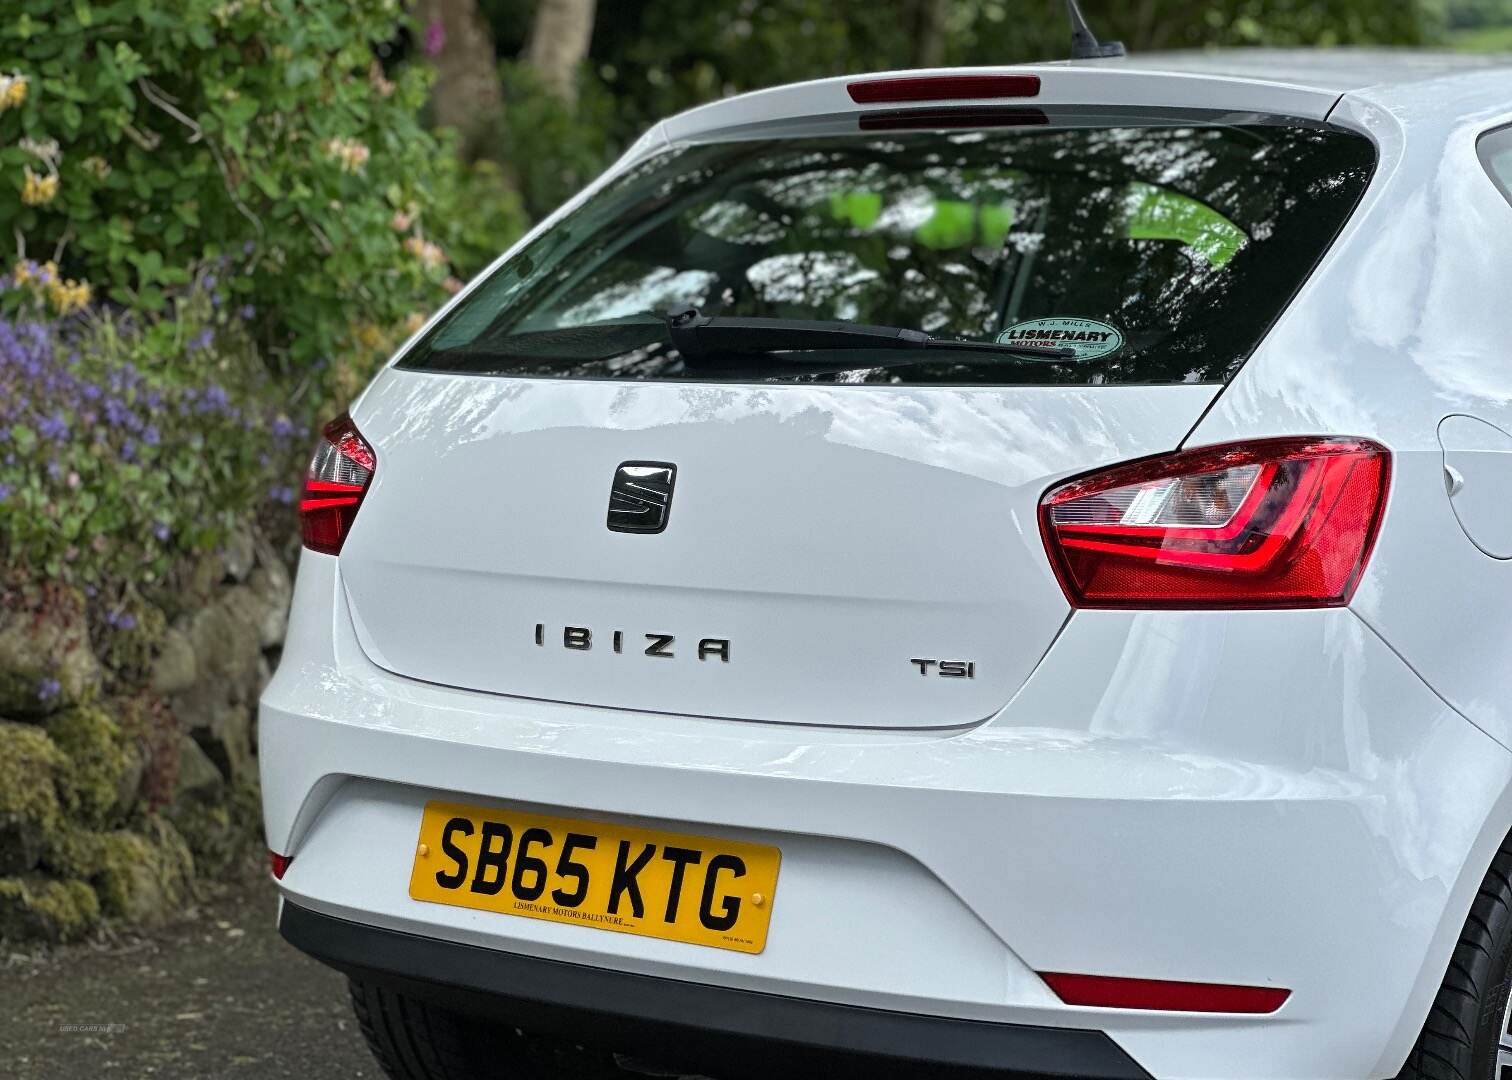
[553, 996]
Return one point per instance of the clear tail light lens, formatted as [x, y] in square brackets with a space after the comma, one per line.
[337, 479]
[1274, 523]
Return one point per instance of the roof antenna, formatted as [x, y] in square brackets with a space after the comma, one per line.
[1084, 43]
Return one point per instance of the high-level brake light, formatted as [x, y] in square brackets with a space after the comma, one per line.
[943, 88]
[338, 477]
[1272, 523]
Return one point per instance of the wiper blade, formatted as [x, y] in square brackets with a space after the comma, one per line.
[695, 335]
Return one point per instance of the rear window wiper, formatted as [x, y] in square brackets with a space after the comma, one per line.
[694, 335]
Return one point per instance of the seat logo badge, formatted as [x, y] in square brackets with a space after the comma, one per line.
[641, 496]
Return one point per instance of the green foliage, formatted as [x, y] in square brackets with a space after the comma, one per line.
[551, 149]
[150, 136]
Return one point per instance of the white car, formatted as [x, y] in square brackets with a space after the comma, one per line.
[1003, 568]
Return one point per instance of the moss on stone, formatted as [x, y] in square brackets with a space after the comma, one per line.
[104, 765]
[34, 908]
[30, 764]
[219, 827]
[143, 877]
[139, 876]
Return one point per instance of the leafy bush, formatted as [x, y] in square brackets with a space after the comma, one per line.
[137, 139]
[552, 149]
[130, 441]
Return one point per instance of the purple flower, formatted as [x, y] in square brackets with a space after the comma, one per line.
[5, 492]
[128, 450]
[126, 622]
[282, 427]
[48, 689]
[160, 531]
[201, 341]
[282, 493]
[435, 39]
[150, 435]
[210, 280]
[248, 248]
[54, 427]
[248, 312]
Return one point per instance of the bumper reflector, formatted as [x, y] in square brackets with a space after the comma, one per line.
[279, 863]
[1109, 992]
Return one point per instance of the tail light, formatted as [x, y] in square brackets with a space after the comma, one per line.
[1274, 523]
[279, 864]
[338, 477]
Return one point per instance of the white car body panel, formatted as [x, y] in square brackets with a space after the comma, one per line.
[1305, 799]
[826, 576]
[1188, 783]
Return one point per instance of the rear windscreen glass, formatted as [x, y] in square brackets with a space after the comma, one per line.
[1496, 152]
[1138, 253]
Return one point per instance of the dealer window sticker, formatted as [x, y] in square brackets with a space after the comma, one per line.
[1088, 339]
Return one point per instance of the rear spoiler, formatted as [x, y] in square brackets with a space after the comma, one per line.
[1099, 83]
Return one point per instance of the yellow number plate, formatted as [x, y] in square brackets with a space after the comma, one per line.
[611, 877]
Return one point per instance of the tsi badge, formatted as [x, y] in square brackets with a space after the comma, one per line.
[641, 496]
[949, 669]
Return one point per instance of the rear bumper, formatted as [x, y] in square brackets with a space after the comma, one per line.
[1263, 798]
[626, 1011]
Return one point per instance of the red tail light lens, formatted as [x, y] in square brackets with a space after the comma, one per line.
[1108, 992]
[279, 864]
[338, 477]
[1274, 523]
[943, 88]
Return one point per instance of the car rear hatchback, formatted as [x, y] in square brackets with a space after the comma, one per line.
[783, 604]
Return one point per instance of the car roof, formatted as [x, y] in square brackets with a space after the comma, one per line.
[1340, 70]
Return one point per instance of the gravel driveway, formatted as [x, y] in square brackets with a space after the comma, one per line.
[214, 994]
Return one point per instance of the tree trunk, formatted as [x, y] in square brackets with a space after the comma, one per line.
[927, 22]
[559, 43]
[467, 95]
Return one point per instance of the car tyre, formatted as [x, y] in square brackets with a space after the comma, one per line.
[1466, 1036]
[414, 1040]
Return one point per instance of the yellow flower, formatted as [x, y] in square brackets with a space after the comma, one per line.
[12, 91]
[68, 296]
[38, 190]
[429, 254]
[350, 154]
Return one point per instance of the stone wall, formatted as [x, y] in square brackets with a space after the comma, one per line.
[128, 746]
